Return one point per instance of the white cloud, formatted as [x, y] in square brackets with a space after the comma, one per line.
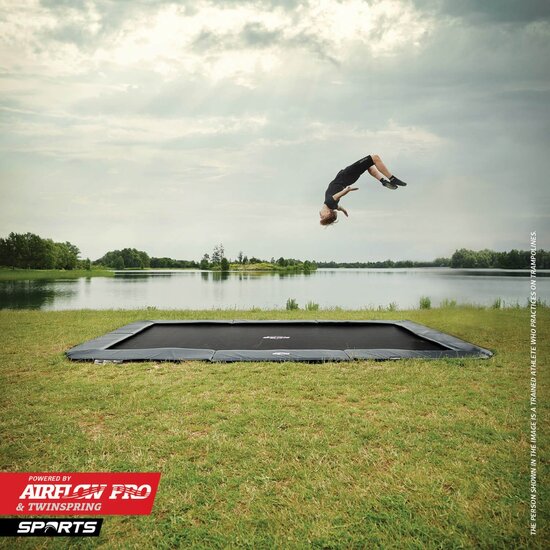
[162, 41]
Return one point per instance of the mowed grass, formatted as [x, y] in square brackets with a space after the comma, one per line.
[406, 454]
[7, 274]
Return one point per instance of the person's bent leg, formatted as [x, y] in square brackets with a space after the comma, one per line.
[381, 166]
[384, 169]
[375, 173]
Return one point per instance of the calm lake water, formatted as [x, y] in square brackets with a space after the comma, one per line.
[346, 288]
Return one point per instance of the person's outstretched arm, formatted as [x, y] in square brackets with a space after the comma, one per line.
[344, 192]
[342, 209]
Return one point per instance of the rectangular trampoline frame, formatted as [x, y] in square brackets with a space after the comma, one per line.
[100, 349]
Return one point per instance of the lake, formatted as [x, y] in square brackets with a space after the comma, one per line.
[345, 288]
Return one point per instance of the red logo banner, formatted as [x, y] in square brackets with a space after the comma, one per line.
[111, 493]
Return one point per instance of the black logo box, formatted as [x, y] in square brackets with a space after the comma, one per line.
[50, 527]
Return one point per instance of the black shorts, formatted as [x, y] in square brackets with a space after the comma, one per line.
[351, 174]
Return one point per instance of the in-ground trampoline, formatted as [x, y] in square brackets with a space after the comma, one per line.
[273, 341]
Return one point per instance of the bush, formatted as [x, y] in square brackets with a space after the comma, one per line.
[425, 302]
[498, 304]
[447, 303]
[392, 306]
[292, 304]
[312, 306]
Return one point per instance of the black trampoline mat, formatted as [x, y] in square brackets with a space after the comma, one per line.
[272, 336]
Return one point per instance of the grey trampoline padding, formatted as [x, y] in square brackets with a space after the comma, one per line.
[273, 341]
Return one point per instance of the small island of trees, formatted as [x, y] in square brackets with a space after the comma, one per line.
[216, 261]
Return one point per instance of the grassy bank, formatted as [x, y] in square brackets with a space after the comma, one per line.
[408, 454]
[7, 274]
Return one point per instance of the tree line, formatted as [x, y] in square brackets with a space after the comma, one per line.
[138, 259]
[438, 262]
[462, 258]
[514, 259]
[216, 260]
[29, 251]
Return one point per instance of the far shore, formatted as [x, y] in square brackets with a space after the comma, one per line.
[10, 274]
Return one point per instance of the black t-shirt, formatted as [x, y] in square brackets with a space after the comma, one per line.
[333, 187]
[345, 177]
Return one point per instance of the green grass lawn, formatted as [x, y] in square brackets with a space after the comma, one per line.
[406, 454]
[7, 274]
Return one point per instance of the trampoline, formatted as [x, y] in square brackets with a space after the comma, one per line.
[273, 341]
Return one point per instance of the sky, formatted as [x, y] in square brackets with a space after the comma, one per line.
[174, 126]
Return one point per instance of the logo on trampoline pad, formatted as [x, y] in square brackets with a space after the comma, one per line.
[280, 353]
[276, 337]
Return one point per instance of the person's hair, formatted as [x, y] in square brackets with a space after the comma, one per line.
[330, 219]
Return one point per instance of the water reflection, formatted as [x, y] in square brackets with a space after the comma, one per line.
[346, 288]
[34, 294]
[220, 275]
[140, 275]
[493, 272]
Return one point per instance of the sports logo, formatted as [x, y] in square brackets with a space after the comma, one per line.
[50, 527]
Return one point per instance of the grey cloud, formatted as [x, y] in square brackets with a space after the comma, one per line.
[255, 34]
[73, 33]
[114, 14]
[110, 9]
[458, 75]
[211, 141]
[64, 4]
[486, 11]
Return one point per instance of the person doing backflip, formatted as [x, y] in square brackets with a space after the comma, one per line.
[340, 186]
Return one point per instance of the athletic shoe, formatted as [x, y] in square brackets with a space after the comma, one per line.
[388, 184]
[397, 181]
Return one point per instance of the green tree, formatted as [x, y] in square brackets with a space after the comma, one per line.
[514, 260]
[442, 262]
[66, 255]
[118, 262]
[131, 257]
[7, 253]
[217, 254]
[205, 262]
[464, 258]
[30, 251]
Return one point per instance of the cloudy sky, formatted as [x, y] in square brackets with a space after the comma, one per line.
[173, 126]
